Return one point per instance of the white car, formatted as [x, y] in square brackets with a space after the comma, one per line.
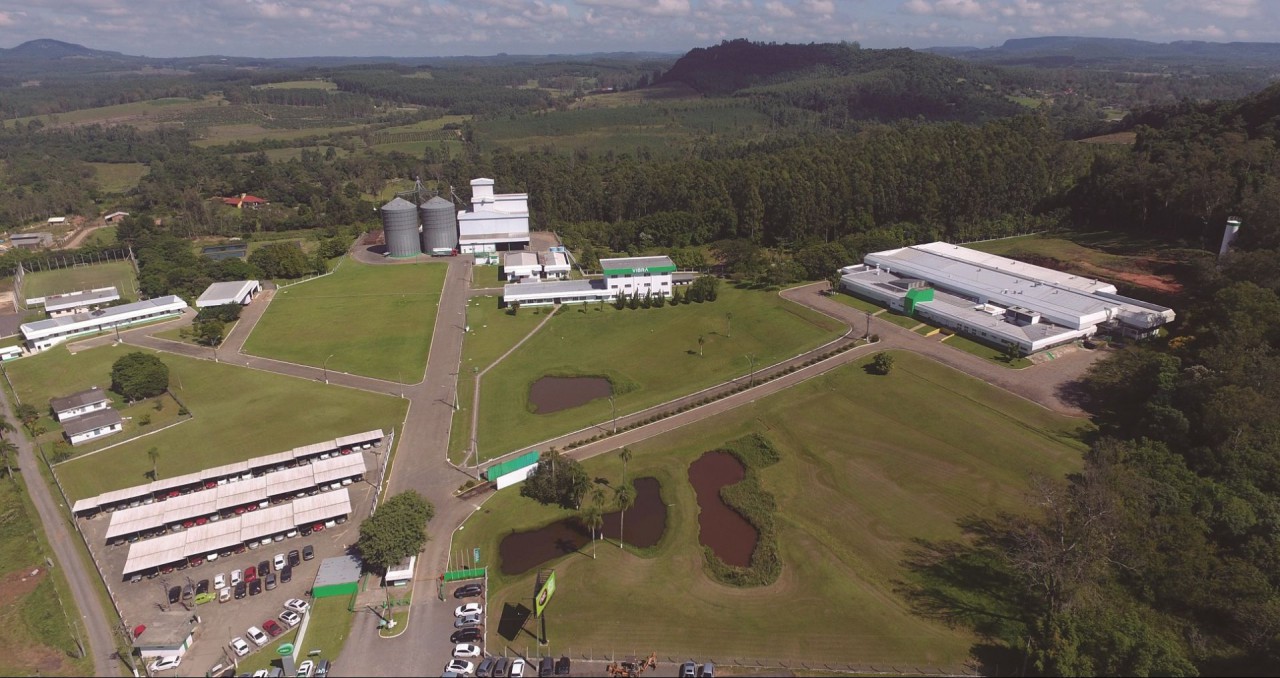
[164, 664]
[460, 667]
[290, 618]
[462, 650]
[299, 606]
[236, 577]
[256, 635]
[261, 673]
[517, 668]
[220, 581]
[280, 561]
[241, 647]
[469, 608]
[306, 668]
[224, 594]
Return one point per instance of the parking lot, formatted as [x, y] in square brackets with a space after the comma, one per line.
[221, 621]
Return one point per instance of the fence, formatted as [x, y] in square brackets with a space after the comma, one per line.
[753, 664]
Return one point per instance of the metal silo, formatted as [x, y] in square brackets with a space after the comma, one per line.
[400, 226]
[439, 226]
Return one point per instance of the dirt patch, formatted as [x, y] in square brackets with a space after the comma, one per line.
[28, 657]
[721, 528]
[1115, 138]
[552, 394]
[16, 585]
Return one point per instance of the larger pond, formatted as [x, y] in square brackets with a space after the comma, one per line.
[721, 528]
[646, 520]
[552, 394]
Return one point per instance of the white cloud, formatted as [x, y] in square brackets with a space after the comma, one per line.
[946, 8]
[779, 9]
[652, 7]
[6, 19]
[1230, 9]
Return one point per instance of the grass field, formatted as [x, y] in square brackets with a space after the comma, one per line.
[850, 300]
[373, 320]
[225, 134]
[868, 464]
[118, 177]
[416, 148]
[133, 414]
[650, 355]
[33, 629]
[132, 113]
[237, 414]
[485, 276]
[299, 84]
[102, 237]
[493, 332]
[119, 274]
[986, 352]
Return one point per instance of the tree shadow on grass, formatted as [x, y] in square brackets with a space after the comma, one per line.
[513, 620]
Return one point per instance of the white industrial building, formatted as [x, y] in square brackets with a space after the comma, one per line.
[495, 221]
[997, 300]
[555, 264]
[234, 292]
[521, 266]
[93, 425]
[58, 305]
[43, 334]
[77, 404]
[628, 276]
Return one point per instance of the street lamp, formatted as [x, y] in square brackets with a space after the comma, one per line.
[752, 379]
[615, 414]
[326, 368]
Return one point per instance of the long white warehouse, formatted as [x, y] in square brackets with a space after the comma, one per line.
[998, 300]
[42, 334]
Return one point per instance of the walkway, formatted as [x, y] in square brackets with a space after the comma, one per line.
[475, 393]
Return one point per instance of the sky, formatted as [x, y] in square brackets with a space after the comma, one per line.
[284, 28]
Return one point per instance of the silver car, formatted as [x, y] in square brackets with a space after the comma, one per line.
[468, 620]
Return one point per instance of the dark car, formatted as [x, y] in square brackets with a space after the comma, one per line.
[482, 671]
[468, 591]
[270, 626]
[286, 575]
[294, 558]
[175, 594]
[255, 587]
[308, 552]
[188, 591]
[263, 568]
[469, 635]
[202, 586]
[241, 589]
[271, 580]
[499, 668]
[562, 666]
[546, 667]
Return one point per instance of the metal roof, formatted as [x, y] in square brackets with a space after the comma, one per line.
[321, 507]
[81, 399]
[221, 293]
[62, 302]
[659, 264]
[337, 468]
[105, 315]
[337, 570]
[90, 421]
[399, 205]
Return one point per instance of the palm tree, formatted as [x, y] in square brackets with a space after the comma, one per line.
[593, 516]
[7, 451]
[626, 457]
[701, 340]
[626, 496]
[154, 455]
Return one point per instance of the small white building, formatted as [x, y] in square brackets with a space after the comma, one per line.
[43, 334]
[235, 292]
[495, 221]
[401, 573]
[83, 301]
[166, 634]
[57, 220]
[521, 266]
[628, 276]
[555, 265]
[114, 217]
[92, 426]
[79, 404]
[639, 275]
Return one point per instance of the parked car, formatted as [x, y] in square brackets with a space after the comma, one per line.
[297, 605]
[240, 591]
[270, 626]
[468, 591]
[469, 608]
[708, 670]
[562, 665]
[164, 664]
[546, 667]
[279, 562]
[294, 558]
[290, 618]
[462, 650]
[469, 620]
[224, 594]
[689, 670]
[460, 667]
[188, 592]
[322, 669]
[250, 573]
[467, 635]
[256, 635]
[255, 587]
[271, 581]
[499, 668]
[175, 594]
[236, 577]
[485, 669]
[241, 648]
[220, 581]
[517, 668]
[263, 568]
[286, 575]
[306, 668]
[202, 586]
[308, 552]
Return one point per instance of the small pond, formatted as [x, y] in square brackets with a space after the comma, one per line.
[552, 394]
[646, 521]
[721, 528]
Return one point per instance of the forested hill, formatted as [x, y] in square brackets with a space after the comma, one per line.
[843, 79]
[1083, 51]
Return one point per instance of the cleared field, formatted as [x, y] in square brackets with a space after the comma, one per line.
[415, 148]
[428, 125]
[371, 320]
[673, 92]
[102, 237]
[33, 629]
[238, 414]
[120, 113]
[118, 177]
[225, 134]
[650, 355]
[1102, 254]
[299, 84]
[868, 465]
[119, 274]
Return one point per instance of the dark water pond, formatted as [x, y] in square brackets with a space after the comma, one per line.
[646, 521]
[723, 529]
[552, 394]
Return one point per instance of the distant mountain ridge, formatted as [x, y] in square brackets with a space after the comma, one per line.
[1061, 50]
[47, 48]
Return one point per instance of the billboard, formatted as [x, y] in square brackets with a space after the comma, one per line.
[545, 591]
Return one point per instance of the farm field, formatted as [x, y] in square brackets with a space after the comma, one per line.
[373, 320]
[868, 464]
[299, 84]
[225, 134]
[132, 113]
[118, 177]
[236, 414]
[119, 274]
[650, 356]
[33, 629]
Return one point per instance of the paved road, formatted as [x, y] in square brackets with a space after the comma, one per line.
[63, 538]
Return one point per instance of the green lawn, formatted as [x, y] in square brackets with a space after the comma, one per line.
[485, 276]
[133, 414]
[650, 355]
[118, 274]
[33, 629]
[861, 305]
[985, 352]
[868, 464]
[177, 333]
[493, 332]
[900, 320]
[237, 414]
[373, 320]
[118, 177]
[120, 112]
[102, 237]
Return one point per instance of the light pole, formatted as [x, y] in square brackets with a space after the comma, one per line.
[326, 368]
[752, 379]
[614, 410]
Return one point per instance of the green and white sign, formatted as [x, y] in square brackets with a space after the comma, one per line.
[544, 594]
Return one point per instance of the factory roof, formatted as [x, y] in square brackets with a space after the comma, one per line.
[76, 400]
[521, 259]
[62, 302]
[554, 259]
[221, 293]
[90, 421]
[555, 286]
[337, 570]
[103, 316]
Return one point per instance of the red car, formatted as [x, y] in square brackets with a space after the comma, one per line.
[240, 510]
[250, 573]
[346, 450]
[173, 493]
[318, 527]
[201, 520]
[188, 524]
[251, 507]
[270, 626]
[210, 485]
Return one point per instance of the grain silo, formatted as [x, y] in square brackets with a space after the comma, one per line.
[400, 226]
[439, 226]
